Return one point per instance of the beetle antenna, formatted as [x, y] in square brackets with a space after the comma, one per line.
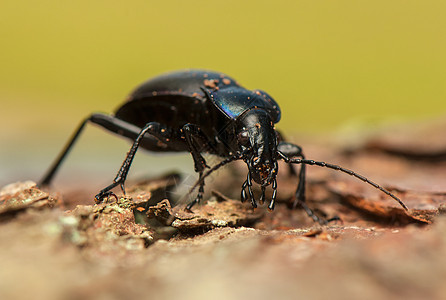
[211, 170]
[339, 168]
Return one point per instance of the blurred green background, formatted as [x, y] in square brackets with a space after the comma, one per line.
[327, 63]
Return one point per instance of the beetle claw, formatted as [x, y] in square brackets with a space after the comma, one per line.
[99, 198]
[122, 188]
[199, 197]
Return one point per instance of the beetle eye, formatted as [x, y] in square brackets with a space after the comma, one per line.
[243, 137]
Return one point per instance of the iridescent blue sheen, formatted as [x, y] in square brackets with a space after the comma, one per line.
[234, 101]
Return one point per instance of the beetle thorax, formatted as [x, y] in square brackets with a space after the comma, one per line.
[257, 138]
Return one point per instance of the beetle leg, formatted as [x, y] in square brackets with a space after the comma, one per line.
[290, 151]
[197, 143]
[47, 178]
[251, 194]
[199, 195]
[262, 196]
[282, 140]
[243, 192]
[300, 196]
[302, 204]
[104, 193]
[273, 198]
[152, 128]
[108, 195]
[312, 215]
[108, 122]
[287, 151]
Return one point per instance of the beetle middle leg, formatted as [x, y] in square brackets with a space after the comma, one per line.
[199, 195]
[155, 129]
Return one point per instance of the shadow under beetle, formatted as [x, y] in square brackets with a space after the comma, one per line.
[206, 112]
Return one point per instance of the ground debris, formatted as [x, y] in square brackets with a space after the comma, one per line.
[151, 191]
[219, 211]
[418, 141]
[423, 206]
[22, 196]
[102, 223]
[161, 212]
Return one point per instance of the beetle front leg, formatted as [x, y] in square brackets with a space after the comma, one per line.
[243, 195]
[248, 185]
[197, 143]
[251, 193]
[282, 139]
[273, 198]
[286, 152]
[290, 151]
[262, 196]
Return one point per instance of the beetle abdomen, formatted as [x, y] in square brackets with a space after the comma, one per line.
[172, 110]
[173, 99]
[187, 82]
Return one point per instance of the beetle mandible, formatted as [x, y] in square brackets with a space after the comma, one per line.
[206, 112]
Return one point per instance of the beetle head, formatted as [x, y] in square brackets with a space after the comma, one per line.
[257, 138]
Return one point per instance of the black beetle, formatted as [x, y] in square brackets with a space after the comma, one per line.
[206, 112]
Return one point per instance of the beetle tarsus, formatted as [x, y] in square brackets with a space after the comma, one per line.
[191, 204]
[334, 219]
[199, 195]
[99, 198]
[197, 200]
[311, 213]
